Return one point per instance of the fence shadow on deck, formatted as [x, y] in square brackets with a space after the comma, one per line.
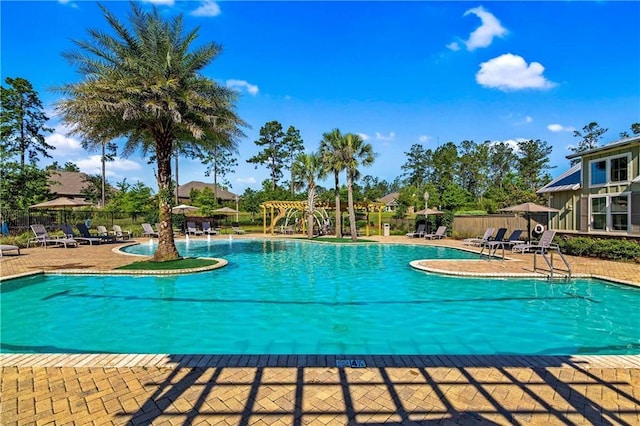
[391, 390]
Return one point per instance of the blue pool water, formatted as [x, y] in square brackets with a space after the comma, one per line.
[295, 297]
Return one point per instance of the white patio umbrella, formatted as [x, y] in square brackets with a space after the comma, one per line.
[183, 208]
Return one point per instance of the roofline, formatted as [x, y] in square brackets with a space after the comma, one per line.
[617, 144]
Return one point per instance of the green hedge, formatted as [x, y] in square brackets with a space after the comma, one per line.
[601, 248]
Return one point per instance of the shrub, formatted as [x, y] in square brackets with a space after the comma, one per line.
[17, 240]
[601, 248]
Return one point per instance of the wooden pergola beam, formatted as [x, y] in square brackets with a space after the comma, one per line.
[283, 206]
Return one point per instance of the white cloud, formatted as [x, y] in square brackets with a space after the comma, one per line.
[93, 165]
[484, 34]
[453, 46]
[511, 72]
[160, 2]
[424, 138]
[382, 137]
[251, 88]
[64, 144]
[560, 128]
[528, 119]
[248, 180]
[207, 8]
[68, 3]
[513, 143]
[364, 136]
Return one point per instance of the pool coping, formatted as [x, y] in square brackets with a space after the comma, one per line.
[107, 360]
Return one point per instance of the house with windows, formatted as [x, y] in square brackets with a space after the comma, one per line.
[390, 201]
[184, 191]
[601, 193]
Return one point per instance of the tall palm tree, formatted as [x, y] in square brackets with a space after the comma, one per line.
[357, 153]
[308, 167]
[333, 159]
[144, 83]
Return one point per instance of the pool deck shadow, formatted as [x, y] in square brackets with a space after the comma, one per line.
[310, 389]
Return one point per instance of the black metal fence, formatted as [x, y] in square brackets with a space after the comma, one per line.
[19, 221]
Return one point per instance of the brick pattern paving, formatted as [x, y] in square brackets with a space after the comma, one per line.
[467, 394]
[240, 390]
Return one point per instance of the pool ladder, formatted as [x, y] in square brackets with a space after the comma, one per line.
[550, 264]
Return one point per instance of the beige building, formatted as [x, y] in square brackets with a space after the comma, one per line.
[600, 194]
[221, 193]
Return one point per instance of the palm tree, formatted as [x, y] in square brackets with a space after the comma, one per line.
[308, 167]
[333, 159]
[357, 153]
[144, 83]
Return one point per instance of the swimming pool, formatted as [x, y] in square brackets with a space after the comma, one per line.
[295, 297]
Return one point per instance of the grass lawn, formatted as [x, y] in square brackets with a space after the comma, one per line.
[186, 263]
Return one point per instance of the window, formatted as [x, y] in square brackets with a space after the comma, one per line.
[611, 170]
[619, 169]
[619, 213]
[598, 172]
[599, 213]
[610, 213]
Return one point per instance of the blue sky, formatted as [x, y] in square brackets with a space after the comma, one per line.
[399, 73]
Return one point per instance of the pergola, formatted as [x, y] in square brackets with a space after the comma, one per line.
[282, 207]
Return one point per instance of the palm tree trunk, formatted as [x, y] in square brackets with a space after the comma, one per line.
[103, 160]
[352, 213]
[311, 207]
[338, 211]
[166, 246]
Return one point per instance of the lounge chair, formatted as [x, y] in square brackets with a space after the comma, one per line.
[120, 234]
[8, 247]
[542, 246]
[513, 239]
[479, 240]
[419, 232]
[440, 233]
[237, 230]
[86, 234]
[68, 233]
[494, 243]
[499, 235]
[192, 229]
[207, 229]
[42, 237]
[148, 231]
[104, 234]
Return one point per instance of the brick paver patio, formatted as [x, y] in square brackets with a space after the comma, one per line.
[238, 390]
